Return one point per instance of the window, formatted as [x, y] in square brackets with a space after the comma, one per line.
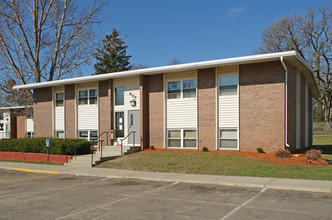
[83, 97]
[30, 114]
[174, 138]
[92, 96]
[228, 138]
[59, 99]
[90, 135]
[182, 138]
[60, 134]
[119, 96]
[30, 134]
[1, 115]
[228, 85]
[174, 90]
[87, 97]
[1, 126]
[189, 88]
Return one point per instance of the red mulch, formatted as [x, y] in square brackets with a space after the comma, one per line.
[299, 159]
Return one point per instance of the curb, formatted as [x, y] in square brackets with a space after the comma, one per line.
[35, 171]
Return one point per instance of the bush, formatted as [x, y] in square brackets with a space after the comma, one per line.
[313, 154]
[205, 149]
[38, 145]
[260, 150]
[283, 153]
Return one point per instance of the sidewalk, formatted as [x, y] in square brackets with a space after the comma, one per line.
[242, 181]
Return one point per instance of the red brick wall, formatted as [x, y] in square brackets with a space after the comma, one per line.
[105, 109]
[21, 126]
[262, 106]
[33, 157]
[302, 113]
[42, 110]
[309, 118]
[155, 110]
[206, 101]
[144, 116]
[70, 128]
[13, 126]
[291, 107]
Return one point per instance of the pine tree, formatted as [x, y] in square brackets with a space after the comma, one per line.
[113, 55]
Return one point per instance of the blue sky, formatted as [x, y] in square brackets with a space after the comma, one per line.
[193, 30]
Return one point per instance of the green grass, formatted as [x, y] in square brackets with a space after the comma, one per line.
[216, 164]
[35, 162]
[325, 144]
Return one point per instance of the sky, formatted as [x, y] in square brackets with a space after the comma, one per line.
[193, 30]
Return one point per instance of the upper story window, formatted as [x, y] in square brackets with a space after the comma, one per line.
[181, 89]
[228, 85]
[59, 99]
[87, 97]
[1, 115]
[30, 114]
[119, 96]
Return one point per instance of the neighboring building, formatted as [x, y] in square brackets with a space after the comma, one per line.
[16, 122]
[233, 104]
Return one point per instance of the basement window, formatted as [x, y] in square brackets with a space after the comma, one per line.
[60, 134]
[59, 99]
[228, 138]
[29, 134]
[91, 135]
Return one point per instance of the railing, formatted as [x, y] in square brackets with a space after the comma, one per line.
[96, 142]
[4, 135]
[105, 132]
[132, 132]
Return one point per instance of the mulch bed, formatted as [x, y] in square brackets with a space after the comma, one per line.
[298, 159]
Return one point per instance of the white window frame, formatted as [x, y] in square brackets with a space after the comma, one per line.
[181, 138]
[181, 88]
[89, 134]
[31, 135]
[237, 138]
[88, 96]
[116, 94]
[56, 133]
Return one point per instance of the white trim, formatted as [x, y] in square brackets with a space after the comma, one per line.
[178, 68]
[15, 107]
[216, 83]
[238, 106]
[182, 138]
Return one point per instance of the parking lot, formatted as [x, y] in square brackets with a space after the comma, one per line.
[55, 196]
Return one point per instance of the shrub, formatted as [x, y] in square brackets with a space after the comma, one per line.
[205, 149]
[38, 145]
[313, 154]
[283, 153]
[171, 163]
[260, 150]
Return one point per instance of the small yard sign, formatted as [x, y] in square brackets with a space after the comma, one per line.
[47, 142]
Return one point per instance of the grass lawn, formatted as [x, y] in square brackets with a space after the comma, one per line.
[325, 144]
[217, 164]
[36, 162]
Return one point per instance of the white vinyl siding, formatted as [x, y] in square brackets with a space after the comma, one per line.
[30, 125]
[181, 112]
[87, 115]
[5, 125]
[59, 111]
[131, 87]
[228, 103]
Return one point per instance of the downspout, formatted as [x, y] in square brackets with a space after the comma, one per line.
[286, 76]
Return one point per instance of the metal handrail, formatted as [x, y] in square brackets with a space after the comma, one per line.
[132, 132]
[101, 149]
[105, 132]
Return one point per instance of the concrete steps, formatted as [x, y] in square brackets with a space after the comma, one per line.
[107, 153]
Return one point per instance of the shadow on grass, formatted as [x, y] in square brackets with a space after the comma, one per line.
[326, 149]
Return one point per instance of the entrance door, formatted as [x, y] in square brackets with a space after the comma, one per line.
[134, 125]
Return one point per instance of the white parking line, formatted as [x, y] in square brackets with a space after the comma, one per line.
[116, 201]
[242, 205]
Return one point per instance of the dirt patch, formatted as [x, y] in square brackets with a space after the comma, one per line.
[298, 159]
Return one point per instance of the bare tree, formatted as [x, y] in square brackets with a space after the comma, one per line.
[311, 35]
[46, 39]
[175, 61]
[139, 66]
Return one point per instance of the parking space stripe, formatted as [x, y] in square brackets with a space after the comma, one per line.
[243, 204]
[36, 171]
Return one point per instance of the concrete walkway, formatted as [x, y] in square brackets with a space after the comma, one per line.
[243, 181]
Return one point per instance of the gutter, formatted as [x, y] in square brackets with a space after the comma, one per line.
[286, 76]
